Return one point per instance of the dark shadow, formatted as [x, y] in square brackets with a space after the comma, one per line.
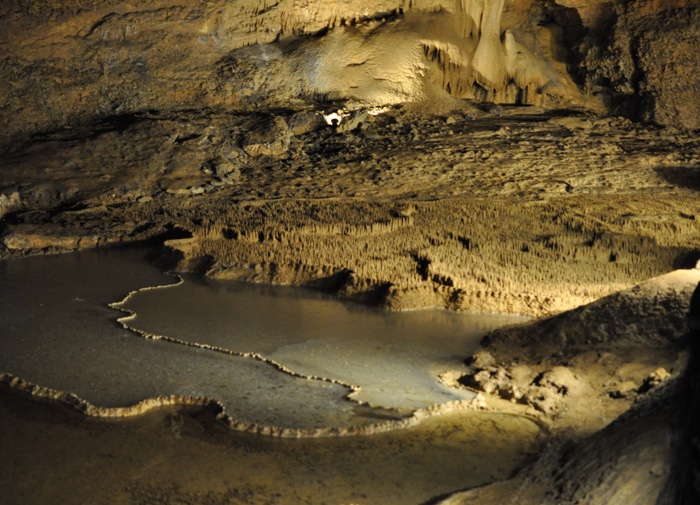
[333, 283]
[46, 141]
[687, 260]
[165, 258]
[682, 486]
[90, 131]
[682, 177]
[440, 499]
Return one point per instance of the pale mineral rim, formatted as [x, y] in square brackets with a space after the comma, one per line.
[72, 400]
[131, 315]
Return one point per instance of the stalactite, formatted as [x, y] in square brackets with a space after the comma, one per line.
[474, 55]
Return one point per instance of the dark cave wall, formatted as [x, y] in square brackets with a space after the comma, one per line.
[643, 59]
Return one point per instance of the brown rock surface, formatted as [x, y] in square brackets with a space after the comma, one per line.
[643, 60]
[477, 214]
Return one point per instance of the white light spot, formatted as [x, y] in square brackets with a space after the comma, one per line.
[333, 118]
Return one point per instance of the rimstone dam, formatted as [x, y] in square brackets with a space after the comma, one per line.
[350, 253]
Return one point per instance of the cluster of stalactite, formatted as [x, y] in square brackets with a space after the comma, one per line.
[479, 255]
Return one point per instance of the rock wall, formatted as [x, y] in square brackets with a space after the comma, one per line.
[643, 61]
[511, 212]
[71, 61]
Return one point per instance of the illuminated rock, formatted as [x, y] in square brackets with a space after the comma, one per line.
[66, 62]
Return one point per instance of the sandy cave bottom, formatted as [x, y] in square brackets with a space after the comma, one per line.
[173, 456]
[316, 362]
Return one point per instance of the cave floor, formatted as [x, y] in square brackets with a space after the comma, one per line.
[184, 456]
[511, 210]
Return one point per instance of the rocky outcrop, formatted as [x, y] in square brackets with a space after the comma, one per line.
[670, 85]
[614, 350]
[649, 453]
[652, 313]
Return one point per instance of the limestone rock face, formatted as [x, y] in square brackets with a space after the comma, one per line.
[668, 57]
[643, 61]
[73, 60]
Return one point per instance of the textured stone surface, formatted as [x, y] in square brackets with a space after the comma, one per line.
[643, 62]
[65, 62]
[508, 212]
[669, 62]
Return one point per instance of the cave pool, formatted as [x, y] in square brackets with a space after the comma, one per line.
[270, 355]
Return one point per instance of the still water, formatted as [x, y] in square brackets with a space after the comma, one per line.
[349, 364]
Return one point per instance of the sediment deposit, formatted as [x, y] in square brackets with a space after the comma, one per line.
[627, 355]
